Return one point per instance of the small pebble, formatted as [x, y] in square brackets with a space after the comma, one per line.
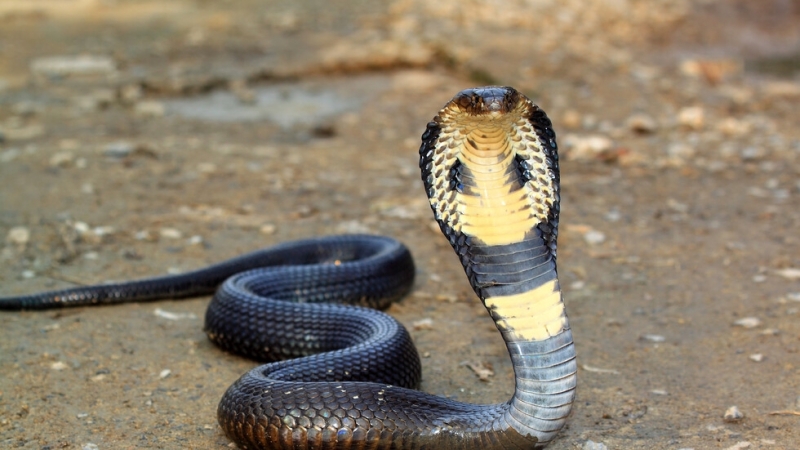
[196, 240]
[164, 373]
[641, 123]
[732, 415]
[659, 392]
[571, 119]
[67, 65]
[28, 274]
[90, 446]
[793, 296]
[753, 153]
[18, 236]
[586, 148]
[653, 338]
[150, 108]
[119, 149]
[748, 322]
[790, 273]
[591, 445]
[739, 445]
[594, 237]
[757, 357]
[61, 159]
[423, 324]
[206, 167]
[170, 233]
[58, 365]
[268, 228]
[613, 215]
[680, 151]
[692, 117]
[8, 155]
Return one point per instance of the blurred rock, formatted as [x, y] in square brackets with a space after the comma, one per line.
[712, 70]
[62, 159]
[782, 89]
[585, 148]
[571, 119]
[19, 236]
[641, 123]
[692, 117]
[119, 149]
[149, 108]
[14, 130]
[733, 414]
[130, 93]
[81, 65]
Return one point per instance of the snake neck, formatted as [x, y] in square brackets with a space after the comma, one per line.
[490, 169]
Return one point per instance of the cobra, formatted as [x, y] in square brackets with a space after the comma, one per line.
[490, 168]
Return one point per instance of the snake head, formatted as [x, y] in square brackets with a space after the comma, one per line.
[487, 100]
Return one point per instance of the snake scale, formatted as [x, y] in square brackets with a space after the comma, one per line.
[340, 375]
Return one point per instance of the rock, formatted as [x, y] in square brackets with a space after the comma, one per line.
[732, 415]
[150, 108]
[130, 93]
[681, 151]
[594, 237]
[712, 70]
[748, 322]
[268, 228]
[692, 117]
[586, 148]
[170, 233]
[423, 324]
[19, 132]
[753, 153]
[656, 338]
[591, 445]
[757, 357]
[571, 119]
[18, 236]
[641, 123]
[9, 155]
[61, 159]
[782, 89]
[789, 273]
[64, 66]
[731, 126]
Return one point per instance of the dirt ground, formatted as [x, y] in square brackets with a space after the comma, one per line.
[141, 137]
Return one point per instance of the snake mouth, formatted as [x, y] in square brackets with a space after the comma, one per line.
[487, 101]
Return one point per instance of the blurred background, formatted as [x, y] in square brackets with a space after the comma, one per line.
[143, 137]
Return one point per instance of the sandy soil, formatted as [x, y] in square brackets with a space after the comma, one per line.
[138, 139]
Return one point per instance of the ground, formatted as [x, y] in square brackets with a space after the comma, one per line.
[139, 138]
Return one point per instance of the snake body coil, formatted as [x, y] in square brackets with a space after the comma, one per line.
[490, 169]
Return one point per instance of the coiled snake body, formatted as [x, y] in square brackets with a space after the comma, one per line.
[490, 169]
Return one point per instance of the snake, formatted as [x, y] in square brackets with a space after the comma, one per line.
[341, 374]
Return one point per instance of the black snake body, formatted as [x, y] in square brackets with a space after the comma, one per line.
[490, 169]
